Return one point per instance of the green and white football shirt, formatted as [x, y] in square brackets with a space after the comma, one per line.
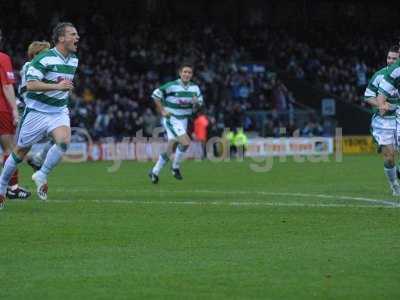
[50, 67]
[372, 90]
[177, 97]
[22, 86]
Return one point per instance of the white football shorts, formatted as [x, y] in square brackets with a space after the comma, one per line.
[36, 125]
[174, 127]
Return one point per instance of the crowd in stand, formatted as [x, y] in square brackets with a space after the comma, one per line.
[342, 64]
[118, 72]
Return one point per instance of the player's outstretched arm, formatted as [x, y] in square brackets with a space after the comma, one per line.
[39, 86]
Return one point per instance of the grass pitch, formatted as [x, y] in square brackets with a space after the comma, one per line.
[307, 230]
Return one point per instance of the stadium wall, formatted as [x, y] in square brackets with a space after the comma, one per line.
[353, 119]
[150, 150]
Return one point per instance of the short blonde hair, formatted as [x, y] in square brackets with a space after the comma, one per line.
[36, 47]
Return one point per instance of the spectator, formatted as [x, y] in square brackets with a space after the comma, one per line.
[312, 128]
[200, 131]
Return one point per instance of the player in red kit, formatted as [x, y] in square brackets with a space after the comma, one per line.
[8, 120]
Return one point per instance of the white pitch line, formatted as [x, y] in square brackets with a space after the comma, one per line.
[221, 203]
[324, 196]
[284, 194]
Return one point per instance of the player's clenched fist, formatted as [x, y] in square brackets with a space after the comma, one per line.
[65, 85]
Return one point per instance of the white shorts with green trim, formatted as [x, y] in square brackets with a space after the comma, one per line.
[36, 125]
[385, 131]
[174, 127]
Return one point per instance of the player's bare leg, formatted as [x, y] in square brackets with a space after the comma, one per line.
[163, 159]
[10, 166]
[388, 153]
[14, 191]
[183, 145]
[62, 138]
[36, 160]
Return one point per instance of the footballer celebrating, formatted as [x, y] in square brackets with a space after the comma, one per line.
[49, 82]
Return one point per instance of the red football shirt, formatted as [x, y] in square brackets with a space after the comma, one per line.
[6, 77]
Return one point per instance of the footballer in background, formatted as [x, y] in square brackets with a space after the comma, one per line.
[176, 102]
[384, 125]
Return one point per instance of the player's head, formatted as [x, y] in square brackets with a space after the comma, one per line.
[66, 36]
[185, 72]
[393, 54]
[36, 47]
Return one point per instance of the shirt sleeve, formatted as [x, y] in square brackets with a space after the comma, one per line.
[372, 88]
[369, 94]
[6, 71]
[387, 86]
[157, 94]
[36, 70]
